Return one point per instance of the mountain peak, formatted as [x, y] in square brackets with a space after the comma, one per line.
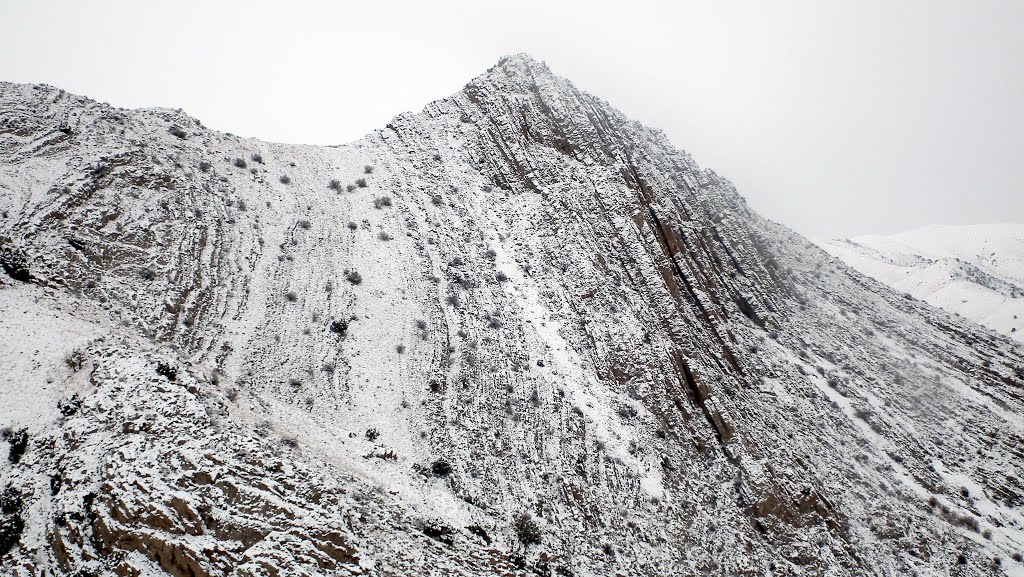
[515, 334]
[521, 59]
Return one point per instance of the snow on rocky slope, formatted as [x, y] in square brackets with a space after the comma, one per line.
[975, 271]
[514, 334]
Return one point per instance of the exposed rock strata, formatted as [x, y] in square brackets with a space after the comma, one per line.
[556, 313]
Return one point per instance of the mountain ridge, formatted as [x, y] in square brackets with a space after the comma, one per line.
[516, 316]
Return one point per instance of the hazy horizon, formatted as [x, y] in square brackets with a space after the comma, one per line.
[835, 120]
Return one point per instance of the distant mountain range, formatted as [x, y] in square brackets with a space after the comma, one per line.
[975, 271]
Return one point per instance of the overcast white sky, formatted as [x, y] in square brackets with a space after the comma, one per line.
[836, 118]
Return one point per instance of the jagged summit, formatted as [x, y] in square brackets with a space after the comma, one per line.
[520, 61]
[517, 333]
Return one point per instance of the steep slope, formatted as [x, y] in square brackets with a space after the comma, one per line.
[516, 333]
[974, 271]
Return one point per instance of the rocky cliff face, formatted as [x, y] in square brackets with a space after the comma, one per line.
[516, 333]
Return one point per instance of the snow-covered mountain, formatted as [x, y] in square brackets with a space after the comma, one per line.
[514, 334]
[975, 271]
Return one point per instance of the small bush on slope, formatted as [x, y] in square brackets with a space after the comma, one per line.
[14, 261]
[18, 440]
[527, 530]
[441, 468]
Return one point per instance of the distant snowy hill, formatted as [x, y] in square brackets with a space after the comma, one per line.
[976, 271]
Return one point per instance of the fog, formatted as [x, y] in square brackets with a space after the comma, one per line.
[834, 118]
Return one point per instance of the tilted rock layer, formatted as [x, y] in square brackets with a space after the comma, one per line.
[514, 334]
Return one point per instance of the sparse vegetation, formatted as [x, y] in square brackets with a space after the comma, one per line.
[400, 349]
[368, 169]
[381, 201]
[372, 434]
[14, 261]
[177, 132]
[304, 224]
[339, 327]
[167, 371]
[527, 530]
[438, 531]
[291, 296]
[479, 532]
[69, 406]
[285, 179]
[966, 521]
[18, 439]
[352, 225]
[353, 276]
[350, 188]
[361, 182]
[335, 185]
[441, 468]
[74, 360]
[205, 166]
[627, 412]
[383, 235]
[10, 501]
[240, 163]
[11, 524]
[257, 158]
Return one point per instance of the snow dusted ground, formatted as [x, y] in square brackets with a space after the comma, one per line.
[514, 334]
[39, 332]
[975, 271]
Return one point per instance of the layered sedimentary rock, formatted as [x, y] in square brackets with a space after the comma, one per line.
[516, 333]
